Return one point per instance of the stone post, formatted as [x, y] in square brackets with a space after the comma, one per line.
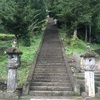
[12, 65]
[89, 67]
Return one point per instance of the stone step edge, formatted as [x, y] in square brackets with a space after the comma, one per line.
[51, 97]
[48, 88]
[53, 93]
[51, 83]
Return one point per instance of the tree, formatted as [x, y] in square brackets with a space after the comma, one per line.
[20, 17]
[73, 13]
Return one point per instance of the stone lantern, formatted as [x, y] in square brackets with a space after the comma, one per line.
[12, 65]
[89, 67]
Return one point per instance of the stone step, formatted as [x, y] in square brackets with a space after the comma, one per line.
[50, 58]
[50, 77]
[51, 64]
[50, 74]
[50, 68]
[50, 98]
[52, 44]
[50, 80]
[50, 54]
[50, 71]
[50, 84]
[50, 49]
[50, 88]
[50, 93]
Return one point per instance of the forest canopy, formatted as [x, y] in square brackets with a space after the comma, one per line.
[22, 17]
[80, 18]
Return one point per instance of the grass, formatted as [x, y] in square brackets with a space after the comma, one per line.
[78, 46]
[75, 45]
[95, 46]
[2, 34]
[26, 58]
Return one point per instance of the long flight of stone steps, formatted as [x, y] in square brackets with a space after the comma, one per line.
[50, 77]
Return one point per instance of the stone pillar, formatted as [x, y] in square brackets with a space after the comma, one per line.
[12, 78]
[89, 83]
[12, 65]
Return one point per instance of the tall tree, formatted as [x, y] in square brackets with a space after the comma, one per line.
[20, 17]
[73, 13]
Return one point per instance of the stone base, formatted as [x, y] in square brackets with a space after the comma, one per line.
[84, 94]
[86, 97]
[98, 95]
[8, 96]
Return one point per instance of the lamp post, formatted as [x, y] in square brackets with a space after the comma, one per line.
[12, 65]
[89, 67]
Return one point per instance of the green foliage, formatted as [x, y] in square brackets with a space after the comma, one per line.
[76, 14]
[73, 12]
[8, 35]
[27, 58]
[75, 45]
[21, 17]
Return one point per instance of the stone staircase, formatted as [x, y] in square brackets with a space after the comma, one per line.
[50, 81]
[50, 76]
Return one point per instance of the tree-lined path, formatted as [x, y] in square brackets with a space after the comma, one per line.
[50, 76]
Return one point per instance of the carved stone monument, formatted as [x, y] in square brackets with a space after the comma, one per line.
[89, 67]
[12, 65]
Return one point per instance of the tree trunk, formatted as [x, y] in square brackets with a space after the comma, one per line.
[75, 34]
[17, 40]
[89, 33]
[68, 35]
[86, 33]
